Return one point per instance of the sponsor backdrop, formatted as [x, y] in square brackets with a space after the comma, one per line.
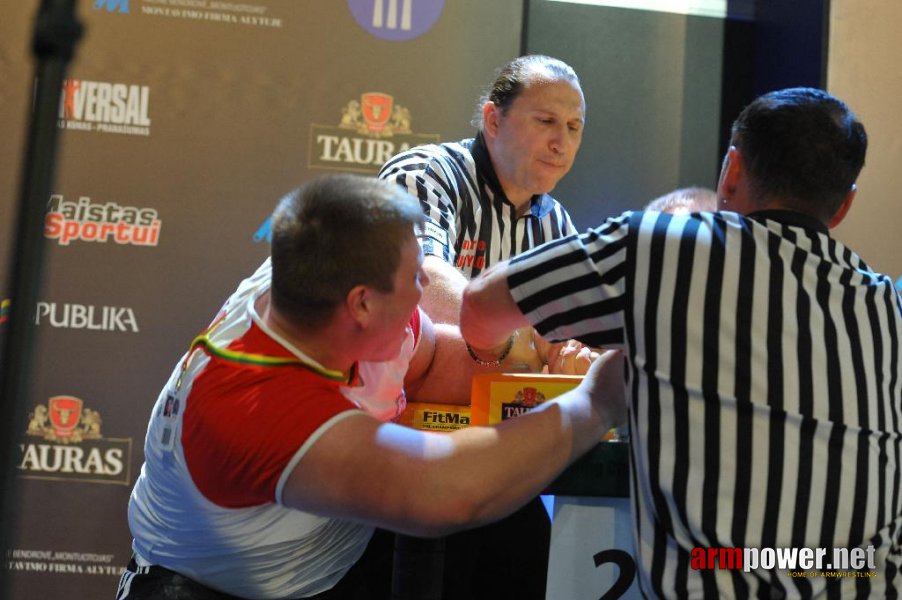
[182, 122]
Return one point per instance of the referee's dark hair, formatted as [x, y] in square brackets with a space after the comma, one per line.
[803, 147]
[334, 233]
[519, 74]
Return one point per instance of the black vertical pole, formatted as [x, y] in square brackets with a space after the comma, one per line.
[55, 34]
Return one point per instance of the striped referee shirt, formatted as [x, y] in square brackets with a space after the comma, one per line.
[765, 386]
[470, 223]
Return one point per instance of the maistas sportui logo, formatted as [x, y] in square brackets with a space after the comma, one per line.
[87, 221]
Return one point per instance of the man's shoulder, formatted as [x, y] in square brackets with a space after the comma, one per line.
[442, 148]
[441, 151]
[428, 156]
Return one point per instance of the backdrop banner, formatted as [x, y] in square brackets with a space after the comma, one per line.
[182, 122]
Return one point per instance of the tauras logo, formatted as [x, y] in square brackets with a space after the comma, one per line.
[509, 411]
[371, 130]
[81, 316]
[524, 401]
[71, 446]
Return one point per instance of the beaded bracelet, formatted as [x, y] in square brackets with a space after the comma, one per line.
[497, 361]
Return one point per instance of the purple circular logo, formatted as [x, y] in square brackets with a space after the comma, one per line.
[396, 20]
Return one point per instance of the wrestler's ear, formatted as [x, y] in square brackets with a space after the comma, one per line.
[359, 305]
[730, 173]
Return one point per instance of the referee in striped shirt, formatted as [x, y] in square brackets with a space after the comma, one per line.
[763, 356]
[487, 199]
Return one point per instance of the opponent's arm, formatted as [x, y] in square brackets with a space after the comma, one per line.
[441, 298]
[441, 369]
[488, 312]
[424, 483]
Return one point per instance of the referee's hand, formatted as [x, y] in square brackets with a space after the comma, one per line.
[566, 358]
[605, 384]
[524, 356]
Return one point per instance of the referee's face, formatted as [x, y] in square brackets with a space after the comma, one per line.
[534, 143]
